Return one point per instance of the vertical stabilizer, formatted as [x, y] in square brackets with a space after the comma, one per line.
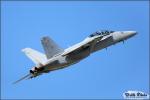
[50, 47]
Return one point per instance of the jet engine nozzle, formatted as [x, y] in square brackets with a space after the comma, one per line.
[31, 71]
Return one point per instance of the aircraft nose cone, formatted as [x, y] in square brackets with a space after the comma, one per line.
[129, 34]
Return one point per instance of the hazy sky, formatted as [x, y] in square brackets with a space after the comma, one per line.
[104, 74]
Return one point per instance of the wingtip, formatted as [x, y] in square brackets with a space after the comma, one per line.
[25, 49]
[14, 83]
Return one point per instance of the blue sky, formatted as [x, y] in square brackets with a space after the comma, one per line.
[104, 74]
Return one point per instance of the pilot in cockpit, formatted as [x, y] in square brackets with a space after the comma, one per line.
[103, 33]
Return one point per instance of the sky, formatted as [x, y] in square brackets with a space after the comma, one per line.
[105, 74]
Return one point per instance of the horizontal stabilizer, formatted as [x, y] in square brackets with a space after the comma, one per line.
[37, 57]
[25, 77]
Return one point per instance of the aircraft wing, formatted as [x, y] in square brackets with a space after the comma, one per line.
[89, 42]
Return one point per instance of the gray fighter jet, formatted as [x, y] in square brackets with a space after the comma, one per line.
[57, 58]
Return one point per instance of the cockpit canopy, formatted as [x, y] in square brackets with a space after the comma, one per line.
[103, 33]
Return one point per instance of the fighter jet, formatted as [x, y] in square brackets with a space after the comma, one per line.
[57, 58]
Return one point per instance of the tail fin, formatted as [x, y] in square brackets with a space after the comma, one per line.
[50, 47]
[37, 57]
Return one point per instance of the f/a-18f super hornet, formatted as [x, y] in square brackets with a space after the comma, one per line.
[57, 58]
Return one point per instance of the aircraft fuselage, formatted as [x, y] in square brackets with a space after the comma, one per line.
[57, 58]
[60, 61]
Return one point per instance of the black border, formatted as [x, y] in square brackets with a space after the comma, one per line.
[70, 1]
